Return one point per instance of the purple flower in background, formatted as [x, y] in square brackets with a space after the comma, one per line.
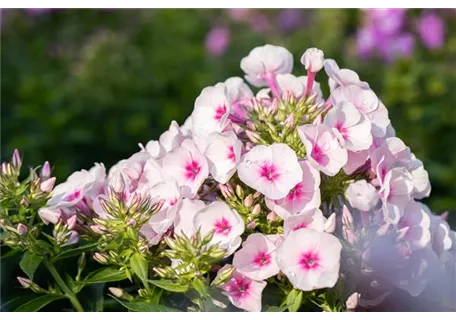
[431, 30]
[402, 46]
[259, 22]
[217, 40]
[37, 11]
[387, 21]
[238, 14]
[289, 19]
[365, 41]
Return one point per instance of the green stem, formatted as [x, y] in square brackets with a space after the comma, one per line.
[68, 292]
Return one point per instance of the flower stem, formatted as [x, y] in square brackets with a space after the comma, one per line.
[68, 292]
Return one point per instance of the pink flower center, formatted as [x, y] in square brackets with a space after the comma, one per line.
[295, 193]
[220, 111]
[192, 169]
[239, 287]
[172, 202]
[231, 154]
[302, 225]
[343, 131]
[269, 172]
[309, 261]
[222, 227]
[74, 195]
[317, 153]
[262, 259]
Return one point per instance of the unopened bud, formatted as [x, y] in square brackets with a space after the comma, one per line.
[100, 258]
[217, 254]
[21, 229]
[16, 160]
[227, 191]
[49, 215]
[313, 59]
[290, 121]
[207, 238]
[72, 221]
[239, 192]
[248, 201]
[5, 168]
[272, 216]
[117, 292]
[26, 283]
[251, 225]
[352, 301]
[256, 209]
[47, 185]
[253, 136]
[45, 171]
[224, 276]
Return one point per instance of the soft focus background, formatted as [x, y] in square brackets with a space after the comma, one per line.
[85, 86]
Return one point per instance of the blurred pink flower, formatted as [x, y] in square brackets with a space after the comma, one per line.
[432, 30]
[217, 40]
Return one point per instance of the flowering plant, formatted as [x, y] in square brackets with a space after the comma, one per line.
[279, 200]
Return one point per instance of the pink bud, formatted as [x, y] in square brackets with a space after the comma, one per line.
[49, 215]
[251, 225]
[73, 238]
[16, 161]
[347, 218]
[117, 183]
[45, 171]
[26, 283]
[97, 229]
[256, 209]
[21, 229]
[99, 257]
[71, 222]
[352, 301]
[116, 292]
[47, 185]
[4, 168]
[272, 216]
[312, 60]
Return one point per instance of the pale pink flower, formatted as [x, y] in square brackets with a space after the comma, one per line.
[239, 94]
[183, 224]
[355, 160]
[172, 138]
[341, 77]
[242, 291]
[265, 62]
[312, 219]
[223, 153]
[350, 125]
[188, 166]
[313, 59]
[186, 128]
[256, 258]
[420, 177]
[80, 184]
[381, 122]
[440, 234]
[364, 99]
[362, 195]
[415, 225]
[226, 223]
[323, 149]
[393, 152]
[314, 263]
[396, 189]
[289, 84]
[304, 196]
[132, 170]
[272, 170]
[50, 215]
[212, 108]
[154, 148]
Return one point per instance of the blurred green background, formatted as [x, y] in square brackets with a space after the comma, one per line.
[79, 86]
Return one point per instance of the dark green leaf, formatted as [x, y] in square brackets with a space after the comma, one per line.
[140, 266]
[294, 300]
[38, 303]
[10, 253]
[75, 251]
[106, 275]
[29, 263]
[169, 285]
[276, 309]
[201, 287]
[145, 306]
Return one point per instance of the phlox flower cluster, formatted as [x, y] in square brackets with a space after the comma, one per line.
[299, 189]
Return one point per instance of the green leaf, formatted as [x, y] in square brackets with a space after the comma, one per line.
[276, 309]
[294, 300]
[106, 275]
[38, 303]
[169, 285]
[29, 263]
[144, 306]
[10, 253]
[75, 251]
[140, 266]
[201, 287]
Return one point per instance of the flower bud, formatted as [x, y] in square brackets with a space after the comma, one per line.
[5, 168]
[224, 276]
[100, 258]
[26, 283]
[72, 221]
[256, 209]
[71, 237]
[312, 60]
[49, 215]
[47, 185]
[239, 191]
[253, 136]
[272, 216]
[45, 171]
[21, 229]
[248, 201]
[117, 292]
[16, 160]
[227, 191]
[251, 225]
[352, 301]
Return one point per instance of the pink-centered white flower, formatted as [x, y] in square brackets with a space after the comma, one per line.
[225, 222]
[265, 62]
[188, 166]
[415, 225]
[171, 138]
[341, 77]
[239, 94]
[289, 84]
[362, 195]
[355, 160]
[350, 125]
[212, 108]
[256, 258]
[242, 291]
[272, 170]
[183, 224]
[323, 149]
[80, 184]
[304, 196]
[313, 263]
[312, 219]
[223, 153]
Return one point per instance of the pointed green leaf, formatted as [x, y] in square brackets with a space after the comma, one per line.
[29, 263]
[169, 285]
[201, 287]
[75, 251]
[140, 266]
[105, 275]
[276, 309]
[38, 303]
[294, 300]
[144, 306]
